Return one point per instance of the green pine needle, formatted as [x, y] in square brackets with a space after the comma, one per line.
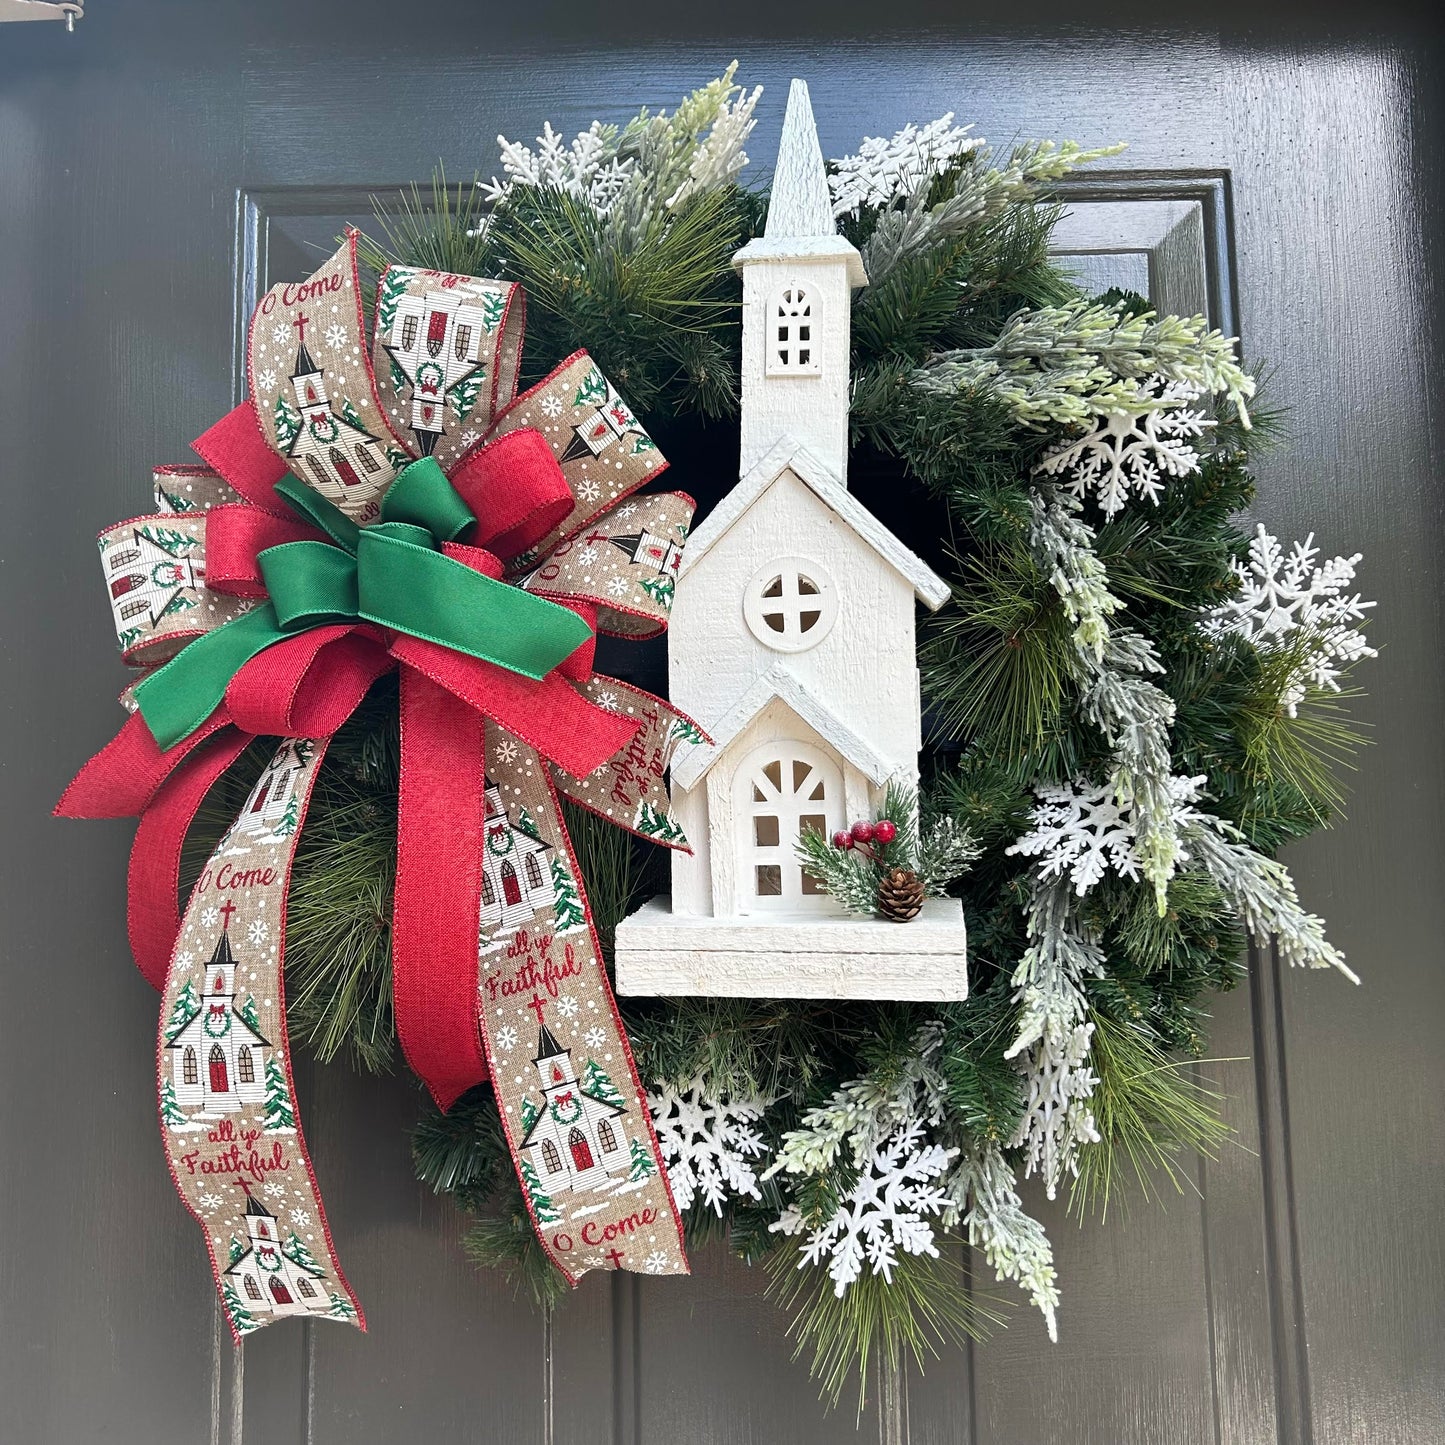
[926, 1307]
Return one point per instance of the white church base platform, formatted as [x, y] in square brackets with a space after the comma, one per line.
[668, 955]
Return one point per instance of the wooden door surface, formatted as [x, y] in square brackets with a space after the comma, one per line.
[168, 161]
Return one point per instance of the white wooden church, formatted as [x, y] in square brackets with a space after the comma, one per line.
[266, 1278]
[792, 642]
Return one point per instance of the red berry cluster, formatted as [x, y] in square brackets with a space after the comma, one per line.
[863, 834]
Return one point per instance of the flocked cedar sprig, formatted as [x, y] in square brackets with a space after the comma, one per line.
[853, 863]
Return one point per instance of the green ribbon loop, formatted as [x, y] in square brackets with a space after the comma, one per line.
[392, 573]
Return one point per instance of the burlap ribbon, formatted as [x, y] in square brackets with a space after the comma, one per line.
[361, 513]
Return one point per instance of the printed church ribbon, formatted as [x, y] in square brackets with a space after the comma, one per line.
[361, 512]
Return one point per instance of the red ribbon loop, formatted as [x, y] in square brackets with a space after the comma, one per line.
[515, 489]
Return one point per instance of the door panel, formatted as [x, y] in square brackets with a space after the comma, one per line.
[166, 162]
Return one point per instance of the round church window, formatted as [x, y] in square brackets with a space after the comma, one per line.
[790, 604]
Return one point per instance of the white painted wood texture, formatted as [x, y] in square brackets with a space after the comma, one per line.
[841, 689]
[661, 952]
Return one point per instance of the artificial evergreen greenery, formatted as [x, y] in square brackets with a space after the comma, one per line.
[1071, 654]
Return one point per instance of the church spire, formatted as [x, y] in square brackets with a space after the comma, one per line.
[800, 204]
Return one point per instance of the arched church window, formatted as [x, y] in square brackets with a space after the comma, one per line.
[245, 1066]
[408, 333]
[781, 791]
[550, 1157]
[462, 342]
[124, 558]
[368, 462]
[489, 894]
[189, 1071]
[306, 1288]
[792, 347]
[319, 472]
[134, 608]
[534, 871]
[790, 604]
[253, 1290]
[606, 1137]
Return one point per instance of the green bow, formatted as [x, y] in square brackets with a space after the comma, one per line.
[392, 573]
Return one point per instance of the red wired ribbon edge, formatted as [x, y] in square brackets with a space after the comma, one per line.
[493, 946]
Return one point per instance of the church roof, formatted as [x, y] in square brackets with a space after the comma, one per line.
[691, 765]
[791, 456]
[800, 223]
[222, 953]
[304, 364]
[547, 1046]
[255, 1207]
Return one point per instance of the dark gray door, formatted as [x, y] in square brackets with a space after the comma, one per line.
[169, 158]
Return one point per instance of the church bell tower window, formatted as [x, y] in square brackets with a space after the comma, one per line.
[792, 340]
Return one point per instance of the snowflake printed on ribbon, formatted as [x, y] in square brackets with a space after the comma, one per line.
[1134, 450]
[707, 1144]
[1081, 829]
[1285, 601]
[884, 1212]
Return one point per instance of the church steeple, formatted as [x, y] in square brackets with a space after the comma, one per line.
[306, 378]
[553, 1062]
[221, 970]
[798, 283]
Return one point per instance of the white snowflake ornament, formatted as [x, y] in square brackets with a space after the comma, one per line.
[1285, 601]
[885, 170]
[1134, 451]
[1082, 829]
[885, 1211]
[707, 1144]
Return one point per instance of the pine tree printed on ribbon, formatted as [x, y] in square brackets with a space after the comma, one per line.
[592, 390]
[169, 540]
[597, 1082]
[660, 589]
[185, 1008]
[568, 910]
[494, 307]
[341, 1307]
[280, 1116]
[248, 1014]
[393, 288]
[171, 1114]
[242, 1321]
[652, 822]
[287, 422]
[462, 395]
[684, 730]
[642, 1165]
[295, 1250]
[542, 1205]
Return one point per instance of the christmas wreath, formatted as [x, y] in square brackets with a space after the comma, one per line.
[1130, 705]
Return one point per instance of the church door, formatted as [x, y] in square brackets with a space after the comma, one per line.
[220, 1079]
[343, 466]
[511, 889]
[581, 1150]
[279, 1292]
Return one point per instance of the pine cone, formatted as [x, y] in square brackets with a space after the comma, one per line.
[900, 894]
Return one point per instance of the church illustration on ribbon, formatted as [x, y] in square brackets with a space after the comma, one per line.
[574, 1141]
[270, 1277]
[218, 1054]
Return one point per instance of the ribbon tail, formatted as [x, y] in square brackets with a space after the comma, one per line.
[572, 1106]
[229, 1122]
[152, 917]
[122, 778]
[440, 839]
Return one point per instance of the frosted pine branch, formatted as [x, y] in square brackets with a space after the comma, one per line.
[1264, 893]
[1064, 548]
[985, 1193]
[1075, 365]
